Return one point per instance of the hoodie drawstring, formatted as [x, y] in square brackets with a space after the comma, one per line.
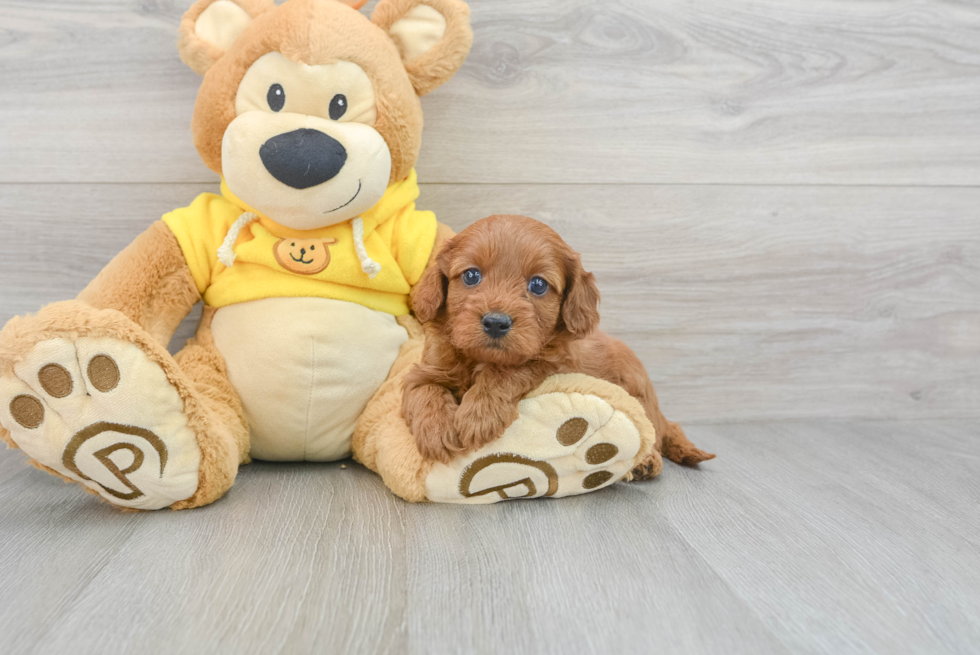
[368, 265]
[226, 252]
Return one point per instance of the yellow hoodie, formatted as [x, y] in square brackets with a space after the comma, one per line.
[271, 261]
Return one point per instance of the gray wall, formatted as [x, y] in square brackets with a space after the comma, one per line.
[779, 198]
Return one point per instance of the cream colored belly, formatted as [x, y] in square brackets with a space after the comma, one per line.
[305, 368]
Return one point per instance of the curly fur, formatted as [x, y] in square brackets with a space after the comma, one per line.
[464, 392]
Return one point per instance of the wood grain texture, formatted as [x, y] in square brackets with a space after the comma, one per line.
[556, 91]
[735, 174]
[816, 537]
[744, 303]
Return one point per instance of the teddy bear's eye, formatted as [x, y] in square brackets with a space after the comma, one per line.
[276, 97]
[312, 248]
[338, 106]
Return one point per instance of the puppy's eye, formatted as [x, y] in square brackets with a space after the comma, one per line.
[338, 106]
[276, 97]
[538, 286]
[471, 277]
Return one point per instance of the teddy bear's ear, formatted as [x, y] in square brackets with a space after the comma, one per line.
[433, 37]
[210, 27]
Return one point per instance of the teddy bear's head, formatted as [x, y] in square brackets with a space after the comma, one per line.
[309, 110]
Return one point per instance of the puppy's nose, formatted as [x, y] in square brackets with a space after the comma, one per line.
[496, 324]
[303, 158]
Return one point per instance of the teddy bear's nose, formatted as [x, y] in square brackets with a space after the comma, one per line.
[303, 158]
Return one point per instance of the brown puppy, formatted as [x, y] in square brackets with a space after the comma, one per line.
[507, 305]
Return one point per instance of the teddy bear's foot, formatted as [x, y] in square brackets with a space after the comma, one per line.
[563, 443]
[100, 412]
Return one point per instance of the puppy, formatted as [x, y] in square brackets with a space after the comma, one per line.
[507, 305]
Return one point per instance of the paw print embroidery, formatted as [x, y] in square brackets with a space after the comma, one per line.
[303, 256]
[514, 486]
[101, 413]
[536, 458]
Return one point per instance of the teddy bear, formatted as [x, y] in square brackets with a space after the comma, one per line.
[310, 112]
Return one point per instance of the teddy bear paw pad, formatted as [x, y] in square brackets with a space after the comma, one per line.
[562, 444]
[100, 412]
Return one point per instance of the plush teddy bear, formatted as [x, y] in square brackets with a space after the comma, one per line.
[305, 261]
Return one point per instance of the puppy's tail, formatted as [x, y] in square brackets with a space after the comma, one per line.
[675, 446]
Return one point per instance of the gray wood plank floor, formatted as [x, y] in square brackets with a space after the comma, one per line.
[803, 537]
[781, 202]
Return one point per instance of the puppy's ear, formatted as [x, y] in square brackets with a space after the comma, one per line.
[433, 37]
[429, 295]
[209, 28]
[580, 307]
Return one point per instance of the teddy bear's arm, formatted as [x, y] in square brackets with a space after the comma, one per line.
[149, 281]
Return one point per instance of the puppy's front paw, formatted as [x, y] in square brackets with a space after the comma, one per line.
[434, 434]
[564, 443]
[479, 424]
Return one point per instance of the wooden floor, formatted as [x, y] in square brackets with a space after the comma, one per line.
[781, 202]
[858, 537]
